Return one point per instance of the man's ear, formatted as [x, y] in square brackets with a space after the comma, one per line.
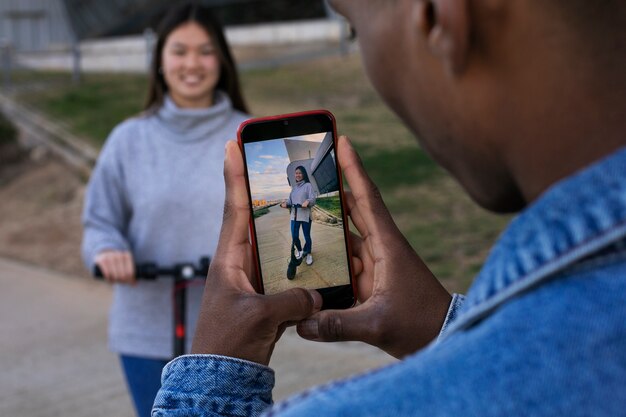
[446, 26]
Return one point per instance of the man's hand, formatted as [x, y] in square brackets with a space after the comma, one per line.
[116, 266]
[403, 305]
[234, 320]
[305, 204]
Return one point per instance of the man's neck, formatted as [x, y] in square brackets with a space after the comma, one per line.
[567, 136]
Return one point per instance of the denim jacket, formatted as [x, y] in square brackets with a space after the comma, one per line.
[542, 331]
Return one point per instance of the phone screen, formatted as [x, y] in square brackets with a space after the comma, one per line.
[297, 209]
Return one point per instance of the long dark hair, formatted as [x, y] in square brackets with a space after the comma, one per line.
[305, 176]
[181, 14]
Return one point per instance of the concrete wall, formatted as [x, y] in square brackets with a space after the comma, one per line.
[285, 33]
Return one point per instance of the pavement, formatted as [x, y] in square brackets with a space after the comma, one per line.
[54, 360]
[329, 266]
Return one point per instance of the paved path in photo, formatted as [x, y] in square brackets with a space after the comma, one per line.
[329, 259]
[54, 361]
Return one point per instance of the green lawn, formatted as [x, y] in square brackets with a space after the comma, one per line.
[94, 107]
[260, 212]
[449, 231]
[330, 204]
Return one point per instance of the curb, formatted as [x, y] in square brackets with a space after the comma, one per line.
[338, 222]
[74, 151]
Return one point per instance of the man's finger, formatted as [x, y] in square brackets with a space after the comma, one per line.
[293, 305]
[365, 192]
[354, 324]
[236, 210]
[355, 214]
[356, 247]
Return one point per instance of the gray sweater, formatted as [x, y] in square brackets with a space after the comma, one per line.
[158, 191]
[301, 192]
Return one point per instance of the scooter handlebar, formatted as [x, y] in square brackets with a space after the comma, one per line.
[147, 271]
[150, 271]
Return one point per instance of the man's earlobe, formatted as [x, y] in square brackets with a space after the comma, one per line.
[448, 26]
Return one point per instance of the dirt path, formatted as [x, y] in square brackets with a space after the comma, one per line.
[40, 208]
[55, 360]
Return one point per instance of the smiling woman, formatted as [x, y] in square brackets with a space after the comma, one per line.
[156, 194]
[190, 66]
[192, 60]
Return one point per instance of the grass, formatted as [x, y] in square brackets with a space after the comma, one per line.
[330, 204]
[400, 166]
[260, 212]
[92, 108]
[440, 222]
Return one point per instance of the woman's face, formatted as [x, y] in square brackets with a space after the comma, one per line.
[191, 67]
[298, 175]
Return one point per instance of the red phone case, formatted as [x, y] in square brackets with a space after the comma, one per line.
[344, 209]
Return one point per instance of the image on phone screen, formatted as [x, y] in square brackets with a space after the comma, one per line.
[297, 212]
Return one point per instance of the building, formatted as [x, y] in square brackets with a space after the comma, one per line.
[118, 36]
[318, 159]
[38, 25]
[259, 203]
[34, 25]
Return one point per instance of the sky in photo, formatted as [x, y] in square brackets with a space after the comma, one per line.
[267, 165]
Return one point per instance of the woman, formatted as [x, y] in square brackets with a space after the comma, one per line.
[157, 191]
[302, 194]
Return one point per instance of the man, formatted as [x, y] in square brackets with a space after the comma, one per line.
[523, 101]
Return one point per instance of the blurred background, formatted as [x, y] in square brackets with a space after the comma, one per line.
[73, 69]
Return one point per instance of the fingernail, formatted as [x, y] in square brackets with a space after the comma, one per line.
[317, 300]
[308, 329]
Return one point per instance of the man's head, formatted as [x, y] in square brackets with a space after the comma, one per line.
[502, 93]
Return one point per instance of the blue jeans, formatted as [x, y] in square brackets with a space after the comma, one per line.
[143, 377]
[295, 235]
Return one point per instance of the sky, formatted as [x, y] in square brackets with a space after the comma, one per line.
[267, 168]
[267, 164]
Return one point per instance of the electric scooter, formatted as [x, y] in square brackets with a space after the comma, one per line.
[183, 273]
[294, 262]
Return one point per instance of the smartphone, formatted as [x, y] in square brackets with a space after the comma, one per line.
[298, 224]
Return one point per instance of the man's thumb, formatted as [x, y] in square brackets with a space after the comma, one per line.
[294, 304]
[336, 326]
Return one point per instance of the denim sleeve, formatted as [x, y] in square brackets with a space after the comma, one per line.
[453, 312]
[213, 385]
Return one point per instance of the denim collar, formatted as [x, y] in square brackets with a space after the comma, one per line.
[573, 219]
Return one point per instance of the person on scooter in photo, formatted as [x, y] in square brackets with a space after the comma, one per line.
[301, 193]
